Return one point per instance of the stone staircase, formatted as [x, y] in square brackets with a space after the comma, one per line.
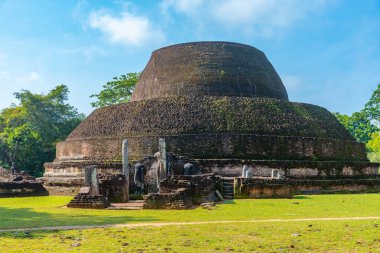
[228, 188]
[88, 201]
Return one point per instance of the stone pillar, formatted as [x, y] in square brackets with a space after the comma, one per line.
[162, 150]
[91, 179]
[125, 168]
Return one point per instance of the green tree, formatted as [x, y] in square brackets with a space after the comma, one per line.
[29, 131]
[372, 108]
[364, 125]
[117, 91]
[358, 124]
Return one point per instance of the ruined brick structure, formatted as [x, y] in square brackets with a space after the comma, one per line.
[221, 104]
[19, 185]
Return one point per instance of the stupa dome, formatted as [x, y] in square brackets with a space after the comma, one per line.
[209, 69]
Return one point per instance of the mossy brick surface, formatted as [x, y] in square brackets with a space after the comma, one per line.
[213, 127]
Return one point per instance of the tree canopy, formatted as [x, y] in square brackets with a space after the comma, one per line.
[30, 130]
[117, 91]
[364, 125]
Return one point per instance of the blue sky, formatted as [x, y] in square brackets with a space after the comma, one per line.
[327, 52]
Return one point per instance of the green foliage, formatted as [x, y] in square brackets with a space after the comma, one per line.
[372, 108]
[29, 131]
[360, 127]
[364, 125]
[117, 91]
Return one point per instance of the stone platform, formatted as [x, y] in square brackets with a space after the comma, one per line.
[286, 188]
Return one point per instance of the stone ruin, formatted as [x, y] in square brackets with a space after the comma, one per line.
[223, 106]
[20, 184]
[89, 196]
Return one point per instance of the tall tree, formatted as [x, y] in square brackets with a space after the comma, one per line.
[372, 108]
[30, 130]
[364, 125]
[358, 124]
[117, 91]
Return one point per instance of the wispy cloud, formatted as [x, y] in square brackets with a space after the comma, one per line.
[262, 17]
[189, 7]
[127, 29]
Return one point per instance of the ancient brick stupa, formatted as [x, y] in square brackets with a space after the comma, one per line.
[221, 104]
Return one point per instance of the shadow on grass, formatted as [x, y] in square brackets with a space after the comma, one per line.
[229, 201]
[301, 197]
[14, 218]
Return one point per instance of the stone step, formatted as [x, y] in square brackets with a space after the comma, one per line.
[131, 205]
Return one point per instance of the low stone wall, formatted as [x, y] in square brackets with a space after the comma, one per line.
[271, 188]
[66, 178]
[22, 189]
[200, 186]
[296, 169]
[177, 199]
[182, 192]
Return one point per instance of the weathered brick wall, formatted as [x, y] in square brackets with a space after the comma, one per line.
[193, 115]
[216, 146]
[211, 127]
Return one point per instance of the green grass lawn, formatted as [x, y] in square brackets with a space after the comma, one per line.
[300, 236]
[51, 211]
[316, 236]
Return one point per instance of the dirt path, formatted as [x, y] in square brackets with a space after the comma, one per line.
[157, 224]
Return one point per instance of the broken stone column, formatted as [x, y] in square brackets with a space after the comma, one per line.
[125, 167]
[91, 180]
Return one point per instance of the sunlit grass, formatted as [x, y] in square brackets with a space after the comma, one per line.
[51, 211]
[315, 236]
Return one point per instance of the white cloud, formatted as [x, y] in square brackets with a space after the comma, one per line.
[127, 29]
[189, 7]
[263, 17]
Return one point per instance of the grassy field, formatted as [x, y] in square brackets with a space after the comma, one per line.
[321, 236]
[265, 236]
[51, 211]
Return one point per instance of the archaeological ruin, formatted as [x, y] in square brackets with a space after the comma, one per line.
[216, 107]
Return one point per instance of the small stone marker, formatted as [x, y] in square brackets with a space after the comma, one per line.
[249, 173]
[276, 174]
